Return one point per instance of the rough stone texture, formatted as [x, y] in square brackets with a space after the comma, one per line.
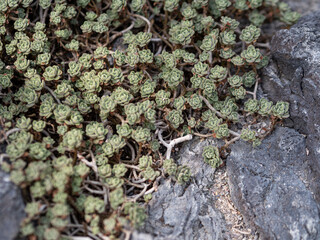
[269, 186]
[11, 208]
[304, 6]
[183, 212]
[141, 236]
[294, 76]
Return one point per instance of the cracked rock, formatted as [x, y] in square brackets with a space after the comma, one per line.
[183, 212]
[294, 76]
[270, 187]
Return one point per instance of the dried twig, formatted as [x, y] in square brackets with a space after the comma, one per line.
[144, 19]
[52, 93]
[211, 107]
[89, 164]
[172, 143]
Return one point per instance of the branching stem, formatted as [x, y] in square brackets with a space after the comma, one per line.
[144, 19]
[173, 142]
[211, 107]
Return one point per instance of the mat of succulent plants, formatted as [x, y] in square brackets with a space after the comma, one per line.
[96, 94]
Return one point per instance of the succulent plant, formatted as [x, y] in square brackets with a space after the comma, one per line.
[74, 68]
[250, 34]
[200, 69]
[179, 103]
[162, 98]
[137, 214]
[121, 96]
[105, 170]
[21, 24]
[290, 17]
[22, 63]
[116, 198]
[195, 101]
[252, 106]
[265, 107]
[117, 142]
[256, 18]
[210, 41]
[222, 131]
[119, 170]
[175, 118]
[249, 79]
[170, 167]
[96, 131]
[171, 5]
[211, 156]
[141, 134]
[146, 56]
[229, 23]
[281, 109]
[251, 55]
[182, 32]
[5, 81]
[137, 5]
[145, 162]
[114, 182]
[147, 88]
[124, 130]
[218, 73]
[52, 73]
[255, 3]
[228, 38]
[212, 122]
[248, 135]
[143, 38]
[238, 93]
[235, 81]
[183, 174]
[150, 174]
[24, 123]
[95, 95]
[72, 139]
[107, 104]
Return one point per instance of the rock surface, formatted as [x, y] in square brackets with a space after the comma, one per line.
[304, 6]
[294, 76]
[11, 208]
[269, 185]
[183, 212]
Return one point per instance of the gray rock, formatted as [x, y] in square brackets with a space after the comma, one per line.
[304, 6]
[269, 186]
[11, 208]
[141, 236]
[186, 211]
[294, 76]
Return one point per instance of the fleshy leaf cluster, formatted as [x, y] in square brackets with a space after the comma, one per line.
[96, 95]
